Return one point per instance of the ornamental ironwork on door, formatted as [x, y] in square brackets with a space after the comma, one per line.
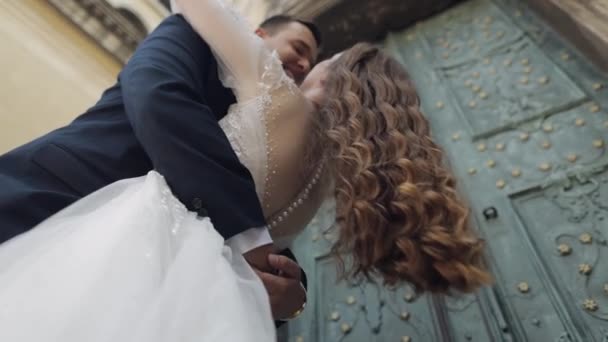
[524, 121]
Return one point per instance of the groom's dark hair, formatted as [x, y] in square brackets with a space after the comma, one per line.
[277, 22]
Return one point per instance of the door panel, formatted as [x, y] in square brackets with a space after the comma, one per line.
[565, 226]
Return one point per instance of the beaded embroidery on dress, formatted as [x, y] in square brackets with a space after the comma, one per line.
[245, 123]
[267, 107]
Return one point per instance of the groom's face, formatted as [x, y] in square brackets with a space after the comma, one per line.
[296, 47]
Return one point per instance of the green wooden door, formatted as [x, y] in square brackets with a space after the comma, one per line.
[521, 117]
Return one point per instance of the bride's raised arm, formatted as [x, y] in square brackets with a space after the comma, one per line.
[237, 49]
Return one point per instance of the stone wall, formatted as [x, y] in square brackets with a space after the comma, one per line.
[583, 22]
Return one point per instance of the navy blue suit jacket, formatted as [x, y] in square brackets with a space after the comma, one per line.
[161, 115]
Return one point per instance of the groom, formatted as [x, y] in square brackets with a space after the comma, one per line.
[162, 115]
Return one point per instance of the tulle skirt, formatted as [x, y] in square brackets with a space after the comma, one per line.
[129, 263]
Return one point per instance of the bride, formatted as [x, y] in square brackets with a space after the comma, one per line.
[130, 263]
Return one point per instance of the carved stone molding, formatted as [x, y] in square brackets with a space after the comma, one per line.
[344, 23]
[304, 9]
[583, 23]
[117, 31]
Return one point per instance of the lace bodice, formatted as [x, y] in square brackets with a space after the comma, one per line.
[269, 135]
[269, 127]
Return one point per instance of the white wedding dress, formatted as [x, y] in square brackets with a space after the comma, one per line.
[130, 263]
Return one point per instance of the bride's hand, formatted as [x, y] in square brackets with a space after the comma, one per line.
[287, 295]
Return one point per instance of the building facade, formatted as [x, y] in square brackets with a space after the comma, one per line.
[59, 55]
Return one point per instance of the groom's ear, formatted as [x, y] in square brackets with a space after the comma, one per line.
[262, 33]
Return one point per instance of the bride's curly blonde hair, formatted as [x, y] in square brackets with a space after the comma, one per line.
[398, 211]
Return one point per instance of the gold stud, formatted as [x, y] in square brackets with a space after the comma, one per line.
[472, 171]
[585, 269]
[579, 122]
[564, 249]
[481, 147]
[548, 127]
[525, 61]
[594, 108]
[472, 104]
[335, 316]
[523, 287]
[408, 297]
[544, 167]
[468, 83]
[524, 80]
[475, 74]
[516, 172]
[350, 300]
[585, 238]
[606, 123]
[483, 95]
[404, 316]
[518, 13]
[491, 163]
[500, 147]
[524, 136]
[546, 145]
[507, 62]
[528, 70]
[456, 136]
[501, 184]
[346, 328]
[598, 143]
[565, 56]
[476, 88]
[299, 339]
[315, 238]
[500, 34]
[410, 37]
[590, 305]
[572, 157]
[543, 80]
[606, 288]
[406, 339]
[597, 86]
[487, 61]
[440, 105]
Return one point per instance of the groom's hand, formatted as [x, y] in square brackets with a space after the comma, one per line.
[287, 295]
[258, 257]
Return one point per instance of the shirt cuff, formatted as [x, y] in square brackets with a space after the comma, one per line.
[252, 238]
